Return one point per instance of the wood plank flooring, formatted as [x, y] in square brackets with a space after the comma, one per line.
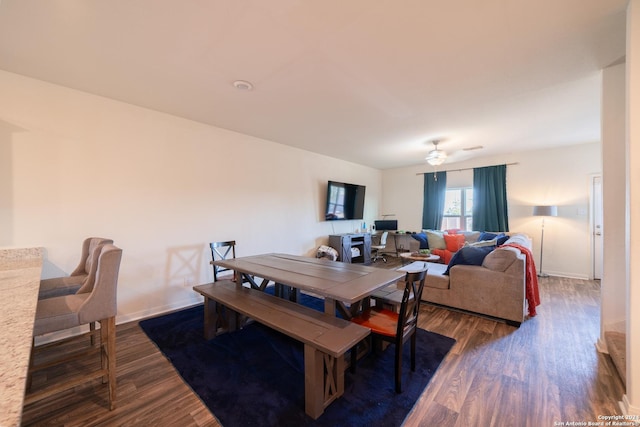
[546, 371]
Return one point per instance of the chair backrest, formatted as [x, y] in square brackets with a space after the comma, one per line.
[102, 300]
[383, 238]
[88, 246]
[220, 251]
[410, 307]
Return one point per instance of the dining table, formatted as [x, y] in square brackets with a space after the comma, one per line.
[339, 284]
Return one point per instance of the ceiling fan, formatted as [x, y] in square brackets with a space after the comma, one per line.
[436, 157]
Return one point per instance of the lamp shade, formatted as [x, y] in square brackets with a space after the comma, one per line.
[545, 210]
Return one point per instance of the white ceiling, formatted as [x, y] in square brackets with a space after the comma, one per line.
[366, 81]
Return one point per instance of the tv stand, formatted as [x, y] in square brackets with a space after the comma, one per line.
[344, 242]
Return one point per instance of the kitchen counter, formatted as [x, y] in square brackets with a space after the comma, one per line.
[20, 271]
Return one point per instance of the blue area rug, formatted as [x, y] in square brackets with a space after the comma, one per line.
[255, 376]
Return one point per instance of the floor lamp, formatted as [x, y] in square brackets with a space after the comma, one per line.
[544, 210]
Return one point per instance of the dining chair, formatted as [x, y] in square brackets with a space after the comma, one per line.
[376, 253]
[59, 286]
[221, 251]
[95, 301]
[395, 327]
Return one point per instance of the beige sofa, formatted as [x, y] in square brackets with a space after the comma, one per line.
[496, 288]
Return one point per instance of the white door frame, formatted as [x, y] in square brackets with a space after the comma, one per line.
[595, 226]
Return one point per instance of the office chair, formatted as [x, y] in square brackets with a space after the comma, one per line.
[376, 249]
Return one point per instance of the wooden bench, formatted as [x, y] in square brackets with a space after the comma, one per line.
[326, 338]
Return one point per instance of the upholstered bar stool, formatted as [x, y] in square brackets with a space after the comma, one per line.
[59, 286]
[94, 302]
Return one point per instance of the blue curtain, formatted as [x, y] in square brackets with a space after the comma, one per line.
[435, 189]
[490, 199]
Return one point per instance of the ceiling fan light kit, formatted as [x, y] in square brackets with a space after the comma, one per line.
[436, 157]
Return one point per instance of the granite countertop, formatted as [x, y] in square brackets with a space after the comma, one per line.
[20, 271]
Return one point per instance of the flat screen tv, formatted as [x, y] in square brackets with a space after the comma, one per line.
[344, 201]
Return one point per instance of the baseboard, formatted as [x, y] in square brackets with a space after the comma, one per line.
[156, 311]
[567, 275]
[601, 346]
[627, 408]
[60, 335]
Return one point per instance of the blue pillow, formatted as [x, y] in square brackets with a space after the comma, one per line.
[486, 236]
[422, 238]
[501, 239]
[469, 255]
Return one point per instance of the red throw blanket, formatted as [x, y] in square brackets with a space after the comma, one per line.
[532, 292]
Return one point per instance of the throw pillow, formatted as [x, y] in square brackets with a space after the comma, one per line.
[436, 239]
[422, 238]
[519, 239]
[483, 243]
[487, 236]
[454, 242]
[445, 255]
[490, 236]
[471, 236]
[501, 239]
[469, 255]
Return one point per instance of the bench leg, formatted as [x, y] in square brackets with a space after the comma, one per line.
[218, 319]
[323, 380]
[210, 319]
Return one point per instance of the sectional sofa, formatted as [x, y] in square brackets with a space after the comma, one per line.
[496, 287]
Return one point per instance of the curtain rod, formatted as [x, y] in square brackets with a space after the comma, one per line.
[466, 169]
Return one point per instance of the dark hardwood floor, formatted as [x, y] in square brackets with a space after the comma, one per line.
[544, 372]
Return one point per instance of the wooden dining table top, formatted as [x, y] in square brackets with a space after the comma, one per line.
[341, 281]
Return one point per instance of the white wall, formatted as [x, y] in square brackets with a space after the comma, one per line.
[614, 271]
[559, 176]
[76, 165]
[631, 401]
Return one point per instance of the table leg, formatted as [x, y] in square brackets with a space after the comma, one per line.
[248, 278]
[358, 307]
[330, 306]
[395, 242]
[287, 292]
[264, 284]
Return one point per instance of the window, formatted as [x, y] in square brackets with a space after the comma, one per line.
[458, 209]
